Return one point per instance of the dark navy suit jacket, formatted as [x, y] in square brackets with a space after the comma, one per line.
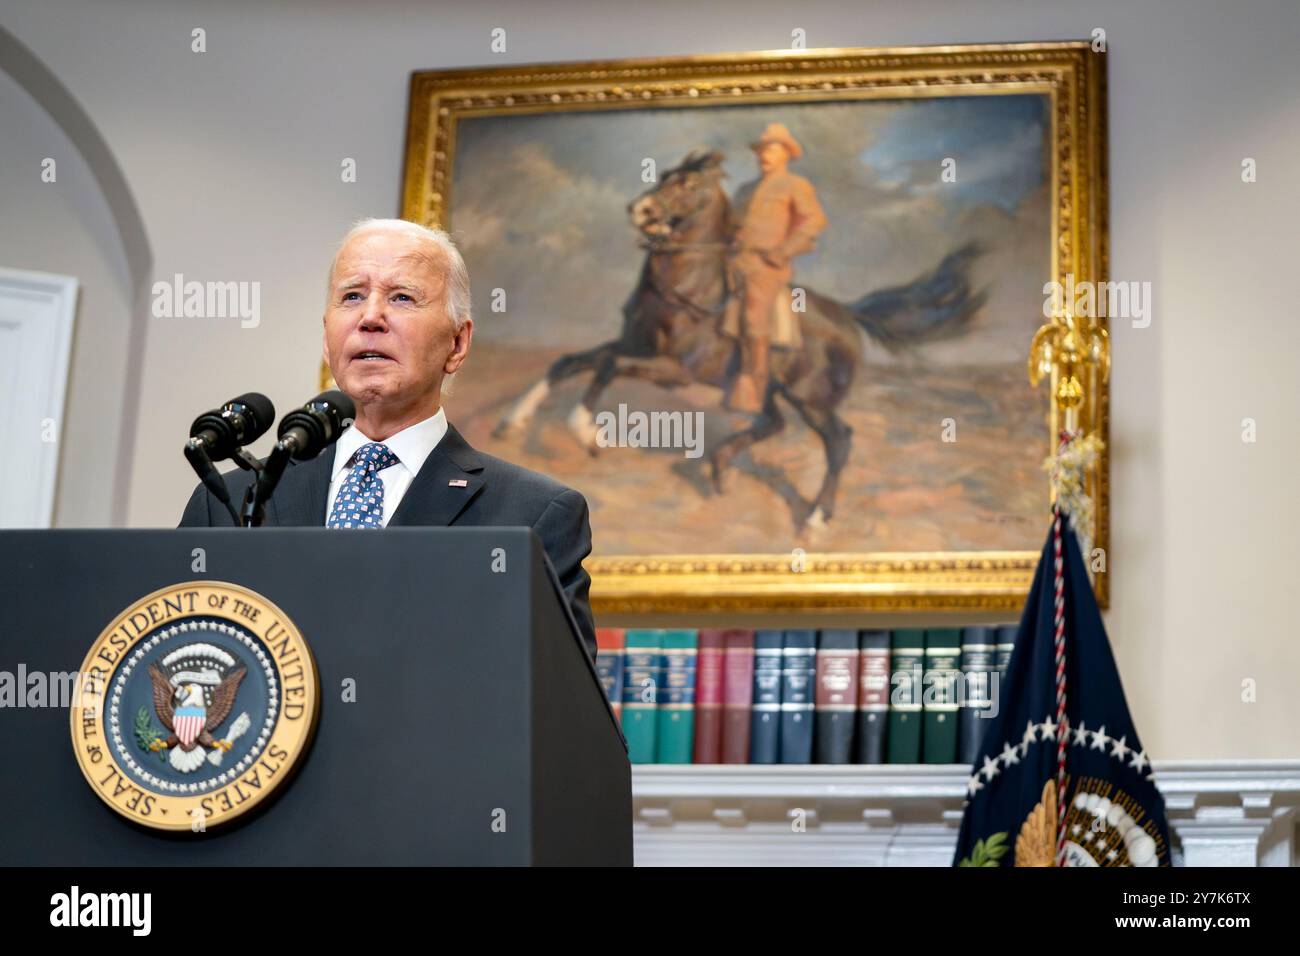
[496, 494]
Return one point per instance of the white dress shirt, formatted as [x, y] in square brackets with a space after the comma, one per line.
[412, 445]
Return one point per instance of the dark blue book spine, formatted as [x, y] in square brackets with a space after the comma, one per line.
[1005, 645]
[978, 661]
[797, 688]
[676, 700]
[609, 668]
[765, 729]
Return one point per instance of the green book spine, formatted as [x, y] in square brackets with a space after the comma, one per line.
[676, 731]
[907, 661]
[939, 699]
[641, 663]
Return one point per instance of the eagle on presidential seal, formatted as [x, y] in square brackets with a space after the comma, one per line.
[193, 694]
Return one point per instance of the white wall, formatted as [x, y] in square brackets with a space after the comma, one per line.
[234, 158]
[65, 227]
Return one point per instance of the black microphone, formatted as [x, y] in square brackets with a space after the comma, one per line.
[306, 432]
[221, 433]
[241, 421]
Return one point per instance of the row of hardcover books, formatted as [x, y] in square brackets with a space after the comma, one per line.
[833, 696]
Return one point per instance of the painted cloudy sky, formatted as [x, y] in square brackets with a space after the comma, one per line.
[539, 206]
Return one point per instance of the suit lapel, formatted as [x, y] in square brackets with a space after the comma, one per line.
[304, 488]
[436, 496]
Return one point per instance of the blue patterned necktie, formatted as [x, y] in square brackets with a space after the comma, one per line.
[360, 502]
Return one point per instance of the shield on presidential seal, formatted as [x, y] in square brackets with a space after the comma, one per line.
[189, 721]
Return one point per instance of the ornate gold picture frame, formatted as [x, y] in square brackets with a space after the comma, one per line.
[494, 112]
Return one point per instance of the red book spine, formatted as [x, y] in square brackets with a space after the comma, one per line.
[837, 680]
[708, 698]
[737, 694]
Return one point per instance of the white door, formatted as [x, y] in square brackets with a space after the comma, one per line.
[37, 311]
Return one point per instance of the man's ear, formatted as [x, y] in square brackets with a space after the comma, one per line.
[460, 347]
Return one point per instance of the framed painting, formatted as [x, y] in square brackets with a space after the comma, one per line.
[770, 312]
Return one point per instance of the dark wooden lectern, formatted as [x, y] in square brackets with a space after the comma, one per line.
[475, 702]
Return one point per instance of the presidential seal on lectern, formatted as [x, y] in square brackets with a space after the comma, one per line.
[194, 705]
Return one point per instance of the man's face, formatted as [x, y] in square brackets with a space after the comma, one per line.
[773, 158]
[388, 339]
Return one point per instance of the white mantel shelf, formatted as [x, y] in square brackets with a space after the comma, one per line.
[1221, 813]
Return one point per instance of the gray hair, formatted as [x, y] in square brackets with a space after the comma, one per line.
[456, 297]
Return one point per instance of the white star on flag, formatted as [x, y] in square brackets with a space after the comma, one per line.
[1048, 731]
[1081, 734]
[1120, 749]
[990, 769]
[1138, 760]
[1099, 738]
[1009, 755]
[973, 785]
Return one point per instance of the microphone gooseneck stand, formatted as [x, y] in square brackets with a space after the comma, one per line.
[197, 454]
[253, 512]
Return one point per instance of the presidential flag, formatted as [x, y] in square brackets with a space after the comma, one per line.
[1020, 810]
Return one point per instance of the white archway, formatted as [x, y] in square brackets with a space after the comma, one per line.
[49, 92]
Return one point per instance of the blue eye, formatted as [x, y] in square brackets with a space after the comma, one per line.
[349, 295]
[402, 295]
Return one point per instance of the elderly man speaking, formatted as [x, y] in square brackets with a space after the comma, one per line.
[397, 324]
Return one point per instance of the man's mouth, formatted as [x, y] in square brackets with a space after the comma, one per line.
[371, 356]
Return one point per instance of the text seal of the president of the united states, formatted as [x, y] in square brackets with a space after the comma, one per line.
[194, 705]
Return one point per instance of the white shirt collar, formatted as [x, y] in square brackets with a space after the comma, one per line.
[412, 445]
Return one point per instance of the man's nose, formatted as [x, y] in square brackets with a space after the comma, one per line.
[374, 318]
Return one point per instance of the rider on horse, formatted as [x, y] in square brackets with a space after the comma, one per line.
[779, 218]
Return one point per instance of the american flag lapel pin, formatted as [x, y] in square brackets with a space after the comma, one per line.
[458, 483]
